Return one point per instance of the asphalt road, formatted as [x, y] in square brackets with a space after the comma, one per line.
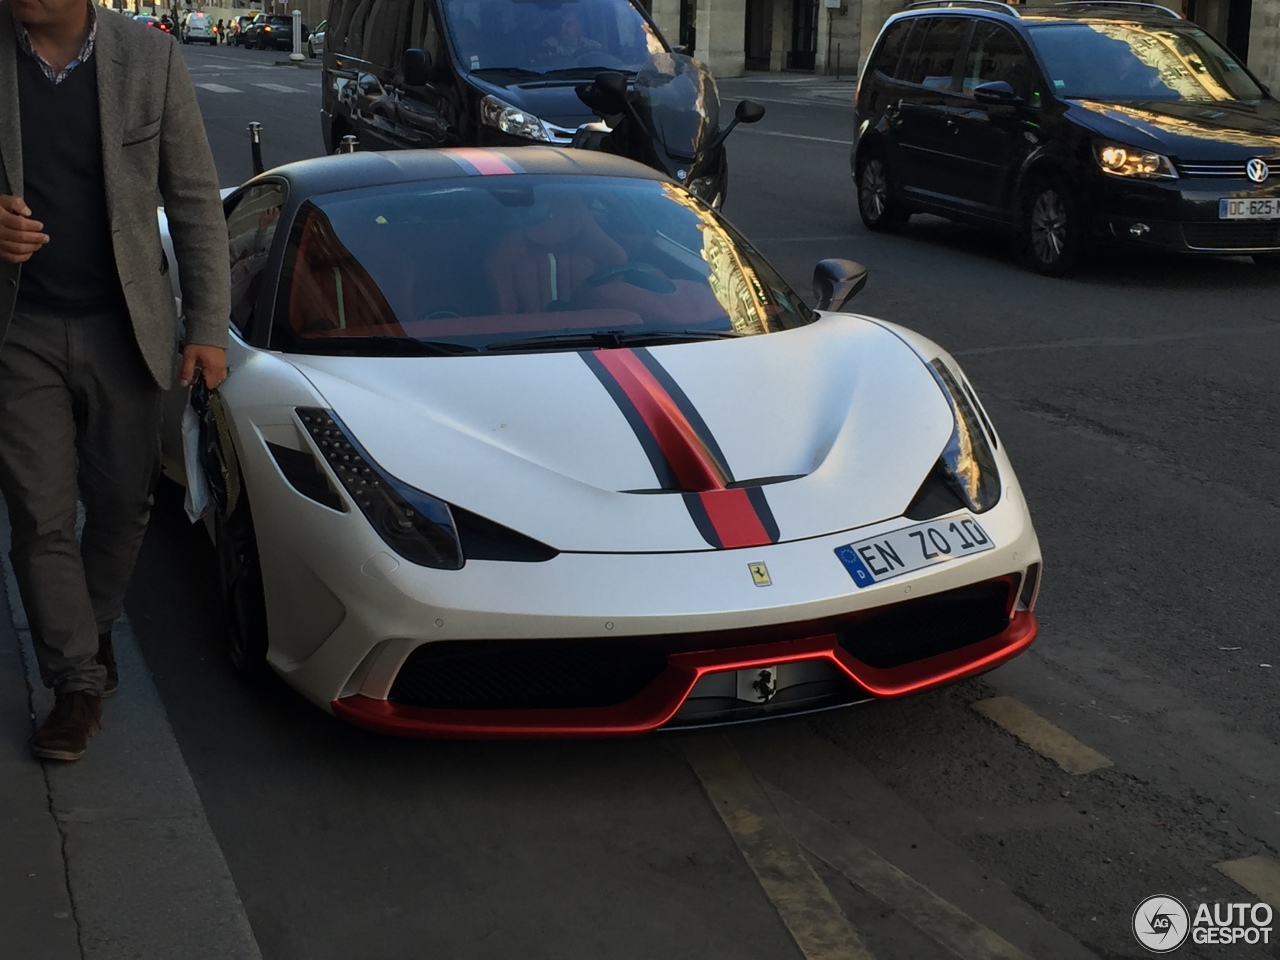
[1139, 402]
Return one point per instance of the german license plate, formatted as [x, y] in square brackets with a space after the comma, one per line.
[913, 548]
[1266, 208]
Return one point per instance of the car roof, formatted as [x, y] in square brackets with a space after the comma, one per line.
[368, 169]
[1078, 11]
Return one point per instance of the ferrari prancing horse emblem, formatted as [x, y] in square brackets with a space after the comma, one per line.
[760, 574]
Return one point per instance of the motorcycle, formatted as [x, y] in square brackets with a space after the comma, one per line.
[668, 118]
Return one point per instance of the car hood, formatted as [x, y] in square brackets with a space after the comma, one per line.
[837, 423]
[1223, 130]
[552, 100]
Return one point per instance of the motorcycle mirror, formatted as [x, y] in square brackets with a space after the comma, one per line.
[836, 282]
[748, 111]
[417, 67]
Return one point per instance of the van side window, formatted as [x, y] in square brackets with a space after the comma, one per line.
[891, 47]
[995, 54]
[424, 33]
[251, 228]
[360, 10]
[944, 42]
[384, 32]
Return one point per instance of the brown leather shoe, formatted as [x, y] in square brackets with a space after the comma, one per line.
[107, 657]
[66, 732]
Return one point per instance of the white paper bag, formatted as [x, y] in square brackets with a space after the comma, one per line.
[198, 499]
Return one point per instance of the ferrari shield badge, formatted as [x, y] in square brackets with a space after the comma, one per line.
[760, 574]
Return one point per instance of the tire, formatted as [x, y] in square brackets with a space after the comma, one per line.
[1049, 227]
[876, 204]
[1270, 261]
[244, 599]
[311, 51]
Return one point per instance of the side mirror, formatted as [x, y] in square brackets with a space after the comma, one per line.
[417, 67]
[748, 111]
[996, 92]
[836, 282]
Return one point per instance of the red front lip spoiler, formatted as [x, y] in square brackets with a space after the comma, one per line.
[658, 703]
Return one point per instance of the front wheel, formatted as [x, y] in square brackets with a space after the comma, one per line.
[876, 204]
[1049, 229]
[244, 599]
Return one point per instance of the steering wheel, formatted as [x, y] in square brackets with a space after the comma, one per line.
[639, 274]
[442, 315]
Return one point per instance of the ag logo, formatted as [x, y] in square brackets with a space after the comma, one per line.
[1161, 924]
[760, 574]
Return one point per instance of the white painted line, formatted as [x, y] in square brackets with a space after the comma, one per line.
[936, 918]
[805, 905]
[1041, 735]
[279, 88]
[1259, 875]
[218, 88]
[796, 136]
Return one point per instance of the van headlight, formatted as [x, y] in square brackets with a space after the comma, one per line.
[1130, 162]
[503, 116]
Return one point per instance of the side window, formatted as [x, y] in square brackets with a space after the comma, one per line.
[943, 44]
[251, 227]
[995, 54]
[424, 33]
[382, 37]
[891, 47]
[360, 10]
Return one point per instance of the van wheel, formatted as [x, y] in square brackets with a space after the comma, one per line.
[878, 208]
[1049, 228]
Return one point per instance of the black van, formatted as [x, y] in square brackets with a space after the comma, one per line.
[425, 73]
[1080, 123]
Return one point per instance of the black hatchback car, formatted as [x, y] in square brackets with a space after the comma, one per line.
[1084, 123]
[270, 31]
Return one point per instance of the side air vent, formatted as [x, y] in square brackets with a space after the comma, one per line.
[306, 476]
[935, 498]
[485, 540]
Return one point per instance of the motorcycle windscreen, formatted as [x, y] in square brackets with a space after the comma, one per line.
[678, 97]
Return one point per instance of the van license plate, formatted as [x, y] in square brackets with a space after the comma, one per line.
[1267, 208]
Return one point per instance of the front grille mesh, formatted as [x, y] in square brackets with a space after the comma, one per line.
[1228, 235]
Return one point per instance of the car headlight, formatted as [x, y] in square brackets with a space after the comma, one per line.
[968, 461]
[503, 116]
[1130, 162]
[416, 525]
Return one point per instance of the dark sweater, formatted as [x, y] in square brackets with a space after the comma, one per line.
[75, 272]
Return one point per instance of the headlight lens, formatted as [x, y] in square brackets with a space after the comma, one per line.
[416, 525]
[504, 117]
[967, 461]
[1130, 162]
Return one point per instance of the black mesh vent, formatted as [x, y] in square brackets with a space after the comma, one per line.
[918, 629]
[525, 675]
[304, 475]
[1229, 235]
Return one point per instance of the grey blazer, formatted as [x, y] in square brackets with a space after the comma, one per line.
[152, 138]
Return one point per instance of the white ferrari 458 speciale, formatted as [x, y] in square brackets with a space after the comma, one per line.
[533, 443]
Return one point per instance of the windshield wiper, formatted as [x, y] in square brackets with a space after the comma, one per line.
[382, 346]
[609, 338]
[578, 72]
[509, 71]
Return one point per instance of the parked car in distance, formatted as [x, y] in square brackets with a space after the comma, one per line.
[1069, 126]
[198, 28]
[155, 22]
[270, 31]
[315, 42]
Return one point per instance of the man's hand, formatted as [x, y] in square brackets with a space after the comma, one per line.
[20, 236]
[211, 362]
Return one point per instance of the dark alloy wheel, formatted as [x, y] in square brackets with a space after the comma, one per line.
[244, 600]
[1049, 235]
[876, 204]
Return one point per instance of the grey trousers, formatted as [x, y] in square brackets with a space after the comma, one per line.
[79, 418]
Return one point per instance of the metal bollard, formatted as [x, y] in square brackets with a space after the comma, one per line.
[348, 144]
[255, 146]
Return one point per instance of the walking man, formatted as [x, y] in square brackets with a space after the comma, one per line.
[97, 113]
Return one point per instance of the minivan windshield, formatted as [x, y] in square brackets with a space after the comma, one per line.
[1111, 61]
[568, 38]
[514, 263]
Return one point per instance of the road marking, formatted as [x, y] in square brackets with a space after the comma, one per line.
[279, 88]
[1259, 875]
[1041, 735]
[936, 918]
[797, 136]
[218, 88]
[807, 909]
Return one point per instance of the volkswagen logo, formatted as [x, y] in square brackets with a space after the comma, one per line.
[1257, 170]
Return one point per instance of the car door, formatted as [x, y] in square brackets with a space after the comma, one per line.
[922, 122]
[992, 139]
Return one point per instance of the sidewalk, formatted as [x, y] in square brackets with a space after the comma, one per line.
[110, 857]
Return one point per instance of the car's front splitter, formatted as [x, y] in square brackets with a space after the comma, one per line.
[659, 704]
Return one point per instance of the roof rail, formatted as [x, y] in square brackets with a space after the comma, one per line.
[983, 4]
[1121, 5]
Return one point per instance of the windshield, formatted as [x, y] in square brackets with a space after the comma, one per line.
[680, 99]
[485, 263]
[541, 38]
[1128, 61]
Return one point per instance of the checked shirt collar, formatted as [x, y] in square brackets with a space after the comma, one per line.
[57, 76]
